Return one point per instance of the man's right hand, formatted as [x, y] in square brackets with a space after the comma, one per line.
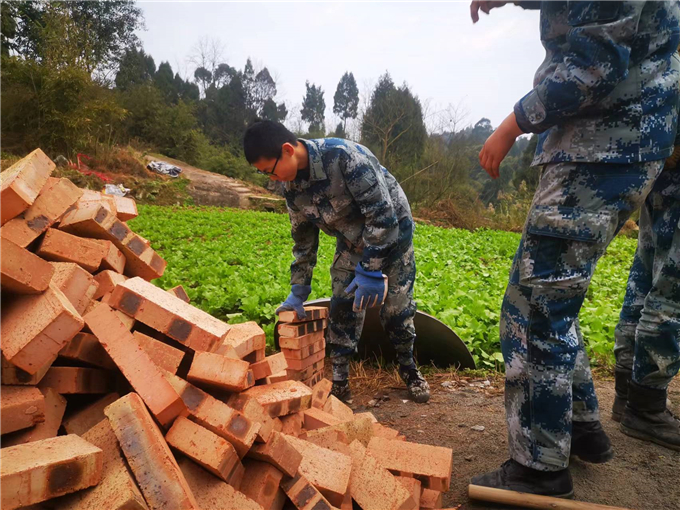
[295, 300]
[485, 6]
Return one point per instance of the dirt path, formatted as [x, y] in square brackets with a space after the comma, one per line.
[641, 476]
[208, 188]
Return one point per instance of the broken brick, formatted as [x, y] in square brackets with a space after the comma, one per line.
[107, 281]
[36, 327]
[206, 448]
[220, 372]
[261, 483]
[373, 486]
[300, 342]
[255, 412]
[269, 366]
[292, 424]
[148, 455]
[301, 329]
[431, 499]
[76, 380]
[56, 197]
[317, 418]
[75, 283]
[20, 407]
[180, 293]
[165, 356]
[135, 364]
[59, 246]
[282, 398]
[338, 409]
[412, 485]
[242, 340]
[22, 271]
[86, 418]
[238, 428]
[55, 405]
[361, 428]
[126, 208]
[42, 470]
[117, 490]
[429, 464]
[168, 314]
[385, 432]
[320, 393]
[22, 183]
[312, 313]
[279, 453]
[277, 377]
[113, 259]
[303, 494]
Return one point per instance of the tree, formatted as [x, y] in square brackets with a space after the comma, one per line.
[204, 77]
[346, 99]
[270, 111]
[339, 131]
[314, 108]
[263, 89]
[393, 122]
[136, 67]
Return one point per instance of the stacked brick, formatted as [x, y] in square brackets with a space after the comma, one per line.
[116, 394]
[303, 344]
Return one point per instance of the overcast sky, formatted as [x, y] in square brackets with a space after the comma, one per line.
[482, 69]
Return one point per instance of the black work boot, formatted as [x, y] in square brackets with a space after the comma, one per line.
[513, 476]
[417, 386]
[341, 391]
[590, 443]
[647, 417]
[622, 377]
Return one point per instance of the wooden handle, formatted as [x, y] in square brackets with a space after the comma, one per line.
[525, 500]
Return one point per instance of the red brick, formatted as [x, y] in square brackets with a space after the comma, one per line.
[56, 197]
[320, 393]
[236, 427]
[430, 464]
[412, 485]
[126, 208]
[338, 409]
[299, 342]
[107, 281]
[385, 432]
[36, 327]
[97, 222]
[180, 293]
[76, 380]
[127, 321]
[22, 182]
[313, 380]
[60, 246]
[165, 356]
[313, 313]
[307, 373]
[117, 490]
[277, 377]
[316, 418]
[303, 494]
[168, 314]
[431, 499]
[113, 259]
[241, 340]
[42, 470]
[304, 352]
[22, 271]
[148, 455]
[218, 371]
[282, 398]
[336, 441]
[13, 375]
[279, 453]
[255, 412]
[204, 447]
[301, 329]
[84, 419]
[261, 483]
[301, 364]
[292, 424]
[269, 366]
[211, 492]
[327, 470]
[135, 364]
[93, 198]
[254, 357]
[76, 283]
[360, 428]
[20, 407]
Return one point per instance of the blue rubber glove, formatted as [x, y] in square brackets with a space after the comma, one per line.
[370, 287]
[296, 299]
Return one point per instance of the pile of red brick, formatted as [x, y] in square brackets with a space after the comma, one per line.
[303, 344]
[119, 395]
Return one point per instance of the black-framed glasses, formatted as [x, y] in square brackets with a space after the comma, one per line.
[273, 168]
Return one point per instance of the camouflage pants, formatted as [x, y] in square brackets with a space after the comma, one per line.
[396, 314]
[576, 211]
[649, 323]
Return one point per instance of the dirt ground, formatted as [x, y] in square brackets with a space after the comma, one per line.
[641, 476]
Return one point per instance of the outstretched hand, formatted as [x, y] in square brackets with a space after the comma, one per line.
[485, 6]
[498, 145]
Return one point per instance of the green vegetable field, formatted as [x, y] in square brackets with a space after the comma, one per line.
[234, 264]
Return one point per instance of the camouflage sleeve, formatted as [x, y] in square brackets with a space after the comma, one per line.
[596, 58]
[366, 182]
[305, 246]
[527, 4]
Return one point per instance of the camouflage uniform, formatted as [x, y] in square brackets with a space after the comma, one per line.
[605, 105]
[350, 196]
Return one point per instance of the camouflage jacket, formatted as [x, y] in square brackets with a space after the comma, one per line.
[607, 90]
[350, 196]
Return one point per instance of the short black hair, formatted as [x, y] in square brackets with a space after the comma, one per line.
[264, 138]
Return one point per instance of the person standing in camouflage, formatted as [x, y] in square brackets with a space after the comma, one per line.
[339, 187]
[604, 103]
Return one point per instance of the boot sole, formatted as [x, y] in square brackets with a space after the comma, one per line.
[637, 434]
[598, 458]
